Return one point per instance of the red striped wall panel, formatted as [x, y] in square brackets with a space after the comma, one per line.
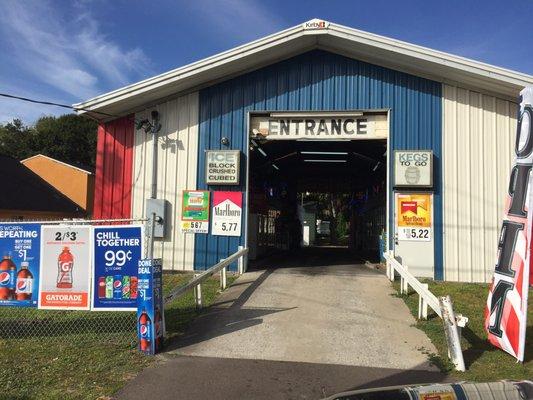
[114, 164]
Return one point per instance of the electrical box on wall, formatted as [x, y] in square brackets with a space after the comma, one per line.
[160, 208]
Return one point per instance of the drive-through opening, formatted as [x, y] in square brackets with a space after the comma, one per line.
[317, 193]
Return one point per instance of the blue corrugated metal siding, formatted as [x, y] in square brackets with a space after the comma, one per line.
[319, 80]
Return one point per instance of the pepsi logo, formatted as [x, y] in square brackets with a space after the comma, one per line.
[22, 285]
[5, 277]
[144, 330]
[117, 284]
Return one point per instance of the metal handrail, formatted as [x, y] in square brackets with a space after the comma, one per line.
[429, 298]
[198, 280]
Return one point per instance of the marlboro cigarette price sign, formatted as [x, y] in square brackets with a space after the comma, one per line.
[413, 213]
[227, 213]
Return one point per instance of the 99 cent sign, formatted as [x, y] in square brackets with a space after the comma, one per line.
[117, 251]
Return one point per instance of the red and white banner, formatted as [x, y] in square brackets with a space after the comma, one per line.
[506, 312]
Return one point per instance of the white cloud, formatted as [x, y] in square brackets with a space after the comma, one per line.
[71, 55]
[240, 19]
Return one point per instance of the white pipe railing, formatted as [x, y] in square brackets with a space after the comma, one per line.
[443, 307]
[196, 282]
[426, 298]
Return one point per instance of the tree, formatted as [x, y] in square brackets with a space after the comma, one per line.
[69, 138]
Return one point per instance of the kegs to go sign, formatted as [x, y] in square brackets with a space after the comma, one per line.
[413, 168]
[227, 213]
[222, 167]
[413, 212]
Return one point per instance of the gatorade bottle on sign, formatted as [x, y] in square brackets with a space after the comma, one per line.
[65, 264]
[145, 325]
[24, 282]
[8, 271]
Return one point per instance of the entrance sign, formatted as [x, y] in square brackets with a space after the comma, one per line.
[195, 211]
[116, 255]
[19, 265]
[506, 312]
[65, 272]
[222, 167]
[413, 213]
[413, 168]
[227, 214]
[320, 126]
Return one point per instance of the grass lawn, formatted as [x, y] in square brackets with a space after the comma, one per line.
[484, 362]
[81, 355]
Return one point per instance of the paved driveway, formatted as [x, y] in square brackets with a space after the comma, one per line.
[317, 311]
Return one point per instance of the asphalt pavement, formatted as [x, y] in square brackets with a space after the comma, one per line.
[302, 326]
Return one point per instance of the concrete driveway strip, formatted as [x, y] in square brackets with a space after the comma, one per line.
[343, 314]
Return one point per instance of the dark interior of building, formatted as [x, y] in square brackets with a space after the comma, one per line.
[317, 194]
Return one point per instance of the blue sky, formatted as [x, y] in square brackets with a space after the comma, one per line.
[67, 51]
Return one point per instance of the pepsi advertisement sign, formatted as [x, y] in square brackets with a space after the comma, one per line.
[150, 312]
[19, 264]
[117, 251]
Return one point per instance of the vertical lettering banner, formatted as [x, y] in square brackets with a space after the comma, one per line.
[506, 312]
[227, 214]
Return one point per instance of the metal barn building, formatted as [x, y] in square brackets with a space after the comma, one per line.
[321, 108]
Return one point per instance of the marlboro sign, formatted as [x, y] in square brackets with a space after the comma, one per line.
[506, 312]
[227, 214]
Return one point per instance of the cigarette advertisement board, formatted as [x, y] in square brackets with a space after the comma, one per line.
[227, 214]
[19, 265]
[195, 211]
[413, 213]
[116, 254]
[65, 267]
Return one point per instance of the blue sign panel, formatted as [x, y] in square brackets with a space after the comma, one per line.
[117, 251]
[19, 264]
[150, 314]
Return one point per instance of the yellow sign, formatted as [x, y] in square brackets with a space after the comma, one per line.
[414, 210]
[438, 396]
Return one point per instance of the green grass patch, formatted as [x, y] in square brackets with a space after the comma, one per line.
[484, 362]
[82, 355]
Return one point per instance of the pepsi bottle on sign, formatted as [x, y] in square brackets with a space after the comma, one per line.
[117, 287]
[24, 286]
[145, 332]
[8, 272]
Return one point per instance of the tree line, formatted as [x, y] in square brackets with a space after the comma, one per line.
[69, 138]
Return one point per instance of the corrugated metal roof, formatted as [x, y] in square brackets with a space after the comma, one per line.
[376, 49]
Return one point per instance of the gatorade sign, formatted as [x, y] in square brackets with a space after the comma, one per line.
[222, 167]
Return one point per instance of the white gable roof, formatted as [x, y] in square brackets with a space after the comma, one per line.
[314, 34]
